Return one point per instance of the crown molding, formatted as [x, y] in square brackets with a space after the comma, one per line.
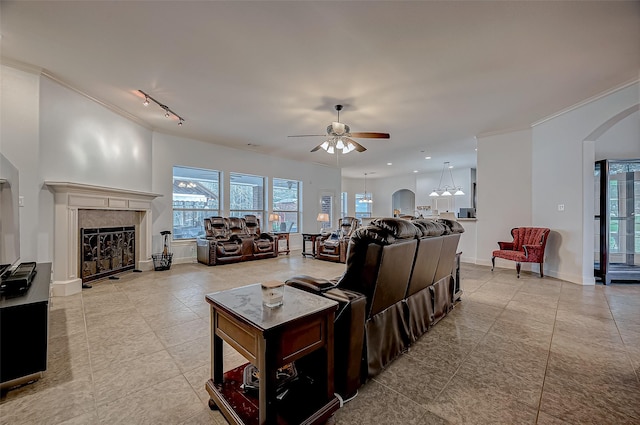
[500, 132]
[100, 102]
[22, 66]
[587, 101]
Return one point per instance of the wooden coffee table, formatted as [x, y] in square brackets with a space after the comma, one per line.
[269, 339]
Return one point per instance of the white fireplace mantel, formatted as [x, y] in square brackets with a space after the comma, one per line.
[68, 199]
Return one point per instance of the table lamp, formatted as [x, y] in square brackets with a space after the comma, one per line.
[322, 218]
[273, 218]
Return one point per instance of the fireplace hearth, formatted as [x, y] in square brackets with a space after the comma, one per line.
[106, 251]
[83, 206]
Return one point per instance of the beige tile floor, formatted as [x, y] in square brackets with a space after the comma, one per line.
[514, 351]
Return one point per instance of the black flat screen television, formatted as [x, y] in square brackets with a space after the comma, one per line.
[9, 216]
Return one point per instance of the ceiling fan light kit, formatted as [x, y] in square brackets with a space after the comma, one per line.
[340, 138]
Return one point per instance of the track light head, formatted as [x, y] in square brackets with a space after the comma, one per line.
[167, 111]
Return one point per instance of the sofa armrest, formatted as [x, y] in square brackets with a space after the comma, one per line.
[311, 284]
[265, 236]
[506, 245]
[532, 250]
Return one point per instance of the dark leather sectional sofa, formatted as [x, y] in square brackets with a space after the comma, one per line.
[398, 282]
[234, 239]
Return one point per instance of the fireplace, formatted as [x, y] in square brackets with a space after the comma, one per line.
[99, 212]
[106, 251]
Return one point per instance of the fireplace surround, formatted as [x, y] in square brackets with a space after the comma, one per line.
[75, 204]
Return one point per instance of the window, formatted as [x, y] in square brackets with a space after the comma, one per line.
[196, 195]
[326, 206]
[363, 209]
[286, 204]
[343, 204]
[246, 196]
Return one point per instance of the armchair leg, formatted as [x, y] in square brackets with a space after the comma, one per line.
[541, 270]
[493, 263]
[518, 268]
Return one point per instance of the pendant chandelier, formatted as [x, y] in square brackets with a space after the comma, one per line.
[367, 196]
[446, 189]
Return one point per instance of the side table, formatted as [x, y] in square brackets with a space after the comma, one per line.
[269, 339]
[281, 236]
[309, 237]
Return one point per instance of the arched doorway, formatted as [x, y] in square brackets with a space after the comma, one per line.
[403, 202]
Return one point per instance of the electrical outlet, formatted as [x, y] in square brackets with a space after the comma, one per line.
[560, 207]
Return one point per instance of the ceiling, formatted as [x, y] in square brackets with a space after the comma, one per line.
[247, 74]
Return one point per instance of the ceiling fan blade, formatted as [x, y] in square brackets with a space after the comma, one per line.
[358, 146]
[316, 148]
[370, 135]
[308, 135]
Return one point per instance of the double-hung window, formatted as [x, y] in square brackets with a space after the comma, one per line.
[196, 195]
[363, 208]
[246, 196]
[286, 205]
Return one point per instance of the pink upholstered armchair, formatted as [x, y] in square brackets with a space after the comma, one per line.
[527, 247]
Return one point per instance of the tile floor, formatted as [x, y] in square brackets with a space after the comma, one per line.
[514, 351]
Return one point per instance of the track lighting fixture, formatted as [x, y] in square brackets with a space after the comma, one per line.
[167, 112]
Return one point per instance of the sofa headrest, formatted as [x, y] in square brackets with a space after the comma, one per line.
[451, 226]
[371, 234]
[218, 222]
[236, 223]
[398, 227]
[430, 227]
[251, 220]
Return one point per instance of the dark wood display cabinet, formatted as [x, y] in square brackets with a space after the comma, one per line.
[24, 324]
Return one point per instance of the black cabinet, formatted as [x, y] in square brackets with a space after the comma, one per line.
[617, 220]
[24, 330]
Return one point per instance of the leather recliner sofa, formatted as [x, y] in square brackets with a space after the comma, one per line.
[333, 247]
[403, 271]
[234, 239]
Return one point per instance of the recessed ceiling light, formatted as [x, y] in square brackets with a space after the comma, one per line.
[450, 166]
[427, 157]
[389, 163]
[415, 171]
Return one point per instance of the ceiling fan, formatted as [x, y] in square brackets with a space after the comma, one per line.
[340, 137]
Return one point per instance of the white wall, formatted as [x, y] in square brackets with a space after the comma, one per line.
[563, 174]
[19, 142]
[620, 141]
[504, 190]
[82, 141]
